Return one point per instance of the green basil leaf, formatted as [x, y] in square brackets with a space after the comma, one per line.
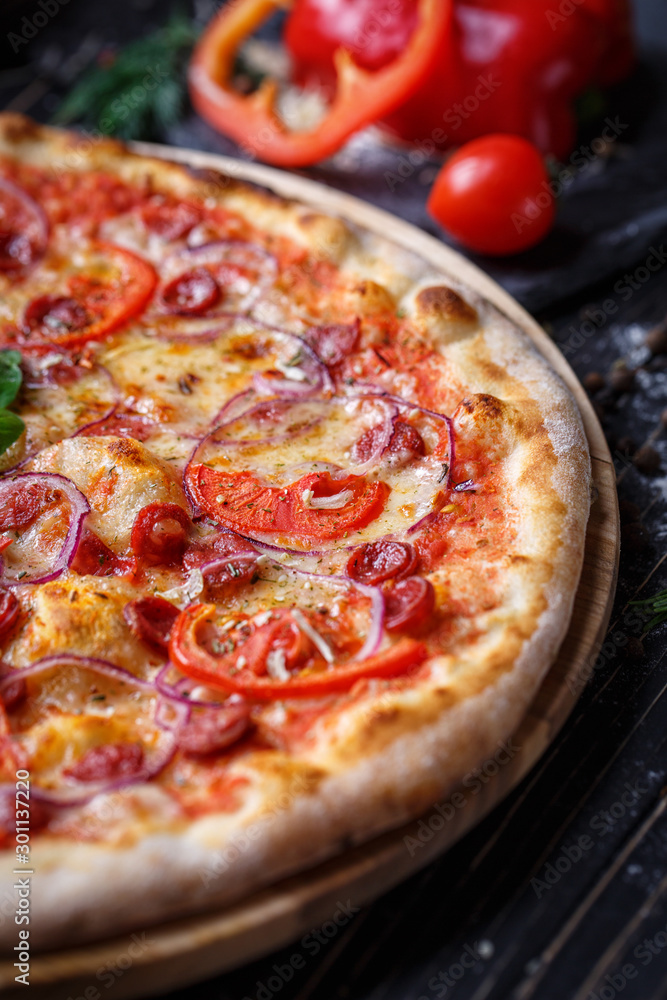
[10, 376]
[11, 428]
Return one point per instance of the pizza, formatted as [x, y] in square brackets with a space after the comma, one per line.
[291, 530]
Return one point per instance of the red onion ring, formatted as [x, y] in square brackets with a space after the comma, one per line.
[175, 691]
[236, 253]
[80, 508]
[72, 795]
[234, 407]
[103, 667]
[374, 636]
[316, 376]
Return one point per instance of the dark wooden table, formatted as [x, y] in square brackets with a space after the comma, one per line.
[561, 893]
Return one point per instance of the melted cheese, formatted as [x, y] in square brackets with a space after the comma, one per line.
[118, 476]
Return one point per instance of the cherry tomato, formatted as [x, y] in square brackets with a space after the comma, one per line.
[493, 195]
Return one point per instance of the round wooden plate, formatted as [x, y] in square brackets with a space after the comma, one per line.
[184, 951]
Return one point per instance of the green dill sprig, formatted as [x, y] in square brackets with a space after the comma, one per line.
[142, 91]
[657, 606]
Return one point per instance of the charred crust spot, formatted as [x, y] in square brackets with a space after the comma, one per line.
[483, 406]
[309, 219]
[441, 302]
[17, 128]
[126, 448]
[368, 297]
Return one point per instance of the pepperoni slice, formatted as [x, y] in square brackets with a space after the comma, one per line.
[404, 444]
[14, 692]
[9, 610]
[408, 604]
[226, 560]
[151, 619]
[56, 315]
[23, 229]
[333, 343]
[191, 293]
[121, 425]
[94, 558]
[376, 562]
[16, 251]
[20, 507]
[107, 762]
[212, 730]
[170, 220]
[160, 533]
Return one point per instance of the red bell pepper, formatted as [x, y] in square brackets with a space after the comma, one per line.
[361, 95]
[506, 66]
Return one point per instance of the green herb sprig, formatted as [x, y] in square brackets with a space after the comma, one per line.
[11, 425]
[142, 91]
[657, 605]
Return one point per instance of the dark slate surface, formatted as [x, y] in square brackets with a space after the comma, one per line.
[503, 916]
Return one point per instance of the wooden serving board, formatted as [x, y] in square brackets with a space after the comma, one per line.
[194, 948]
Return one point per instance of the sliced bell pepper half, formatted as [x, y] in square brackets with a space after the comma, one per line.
[244, 671]
[361, 96]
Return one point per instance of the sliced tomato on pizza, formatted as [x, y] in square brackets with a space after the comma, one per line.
[68, 301]
[279, 658]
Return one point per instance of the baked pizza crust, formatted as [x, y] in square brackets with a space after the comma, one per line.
[392, 753]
